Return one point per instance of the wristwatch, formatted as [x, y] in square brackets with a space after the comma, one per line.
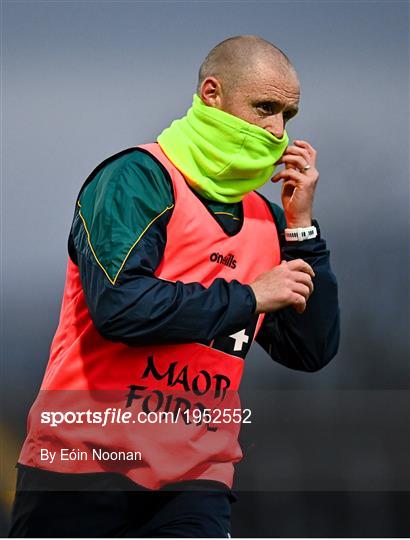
[303, 233]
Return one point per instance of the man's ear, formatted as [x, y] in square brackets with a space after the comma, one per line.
[211, 92]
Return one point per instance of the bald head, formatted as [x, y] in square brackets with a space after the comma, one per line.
[252, 79]
[237, 59]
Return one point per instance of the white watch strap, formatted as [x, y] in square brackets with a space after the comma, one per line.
[301, 233]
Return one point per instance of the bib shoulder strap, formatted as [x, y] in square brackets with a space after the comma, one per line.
[258, 206]
[155, 149]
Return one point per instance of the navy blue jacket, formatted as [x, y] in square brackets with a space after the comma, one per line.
[117, 238]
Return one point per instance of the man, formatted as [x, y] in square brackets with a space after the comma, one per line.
[175, 265]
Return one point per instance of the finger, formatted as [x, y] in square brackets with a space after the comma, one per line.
[301, 289]
[299, 161]
[307, 146]
[301, 266]
[305, 278]
[297, 151]
[298, 302]
[291, 174]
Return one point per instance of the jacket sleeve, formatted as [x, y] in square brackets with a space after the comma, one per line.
[118, 238]
[306, 341]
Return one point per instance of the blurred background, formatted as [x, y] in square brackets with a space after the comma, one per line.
[327, 453]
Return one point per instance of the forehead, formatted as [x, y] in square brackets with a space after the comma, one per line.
[273, 85]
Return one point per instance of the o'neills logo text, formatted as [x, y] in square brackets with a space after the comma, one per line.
[229, 260]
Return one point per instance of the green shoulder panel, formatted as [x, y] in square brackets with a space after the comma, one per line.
[118, 206]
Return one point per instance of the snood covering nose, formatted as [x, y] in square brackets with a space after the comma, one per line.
[221, 156]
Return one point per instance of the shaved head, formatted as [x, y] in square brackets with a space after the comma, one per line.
[252, 79]
[236, 59]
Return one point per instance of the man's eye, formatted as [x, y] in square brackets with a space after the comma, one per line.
[266, 107]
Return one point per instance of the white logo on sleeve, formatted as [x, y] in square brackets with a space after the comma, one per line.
[240, 338]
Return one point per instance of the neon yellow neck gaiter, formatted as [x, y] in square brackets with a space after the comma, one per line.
[221, 156]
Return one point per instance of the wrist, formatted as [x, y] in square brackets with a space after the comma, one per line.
[298, 223]
[300, 234]
[254, 300]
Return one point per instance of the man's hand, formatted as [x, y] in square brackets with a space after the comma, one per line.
[299, 185]
[289, 284]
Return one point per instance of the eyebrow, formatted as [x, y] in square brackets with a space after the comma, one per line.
[293, 108]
